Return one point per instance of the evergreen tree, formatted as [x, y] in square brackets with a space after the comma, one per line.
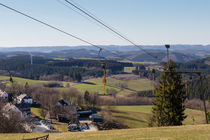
[87, 97]
[78, 77]
[10, 79]
[27, 88]
[168, 109]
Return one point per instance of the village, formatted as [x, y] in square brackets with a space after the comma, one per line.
[104, 70]
[77, 120]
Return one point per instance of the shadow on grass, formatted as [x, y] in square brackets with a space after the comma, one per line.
[130, 118]
[124, 88]
[89, 83]
[117, 111]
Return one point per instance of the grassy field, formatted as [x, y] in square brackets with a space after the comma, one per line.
[62, 127]
[93, 85]
[96, 85]
[190, 132]
[129, 69]
[138, 116]
[22, 81]
[36, 112]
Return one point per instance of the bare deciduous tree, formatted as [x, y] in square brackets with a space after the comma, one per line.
[74, 96]
[12, 123]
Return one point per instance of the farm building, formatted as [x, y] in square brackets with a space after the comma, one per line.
[10, 109]
[23, 98]
[3, 95]
[25, 109]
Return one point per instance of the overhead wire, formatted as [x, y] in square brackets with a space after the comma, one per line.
[56, 28]
[46, 24]
[125, 38]
[61, 2]
[78, 5]
[97, 23]
[90, 15]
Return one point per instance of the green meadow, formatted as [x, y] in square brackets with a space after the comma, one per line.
[188, 132]
[94, 85]
[97, 85]
[22, 81]
[138, 116]
[129, 69]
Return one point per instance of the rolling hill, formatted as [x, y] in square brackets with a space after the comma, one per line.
[179, 53]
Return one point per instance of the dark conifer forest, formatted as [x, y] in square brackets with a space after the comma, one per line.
[59, 69]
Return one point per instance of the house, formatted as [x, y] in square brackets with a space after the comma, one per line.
[63, 103]
[3, 95]
[96, 118]
[25, 108]
[23, 98]
[27, 100]
[20, 98]
[85, 115]
[9, 109]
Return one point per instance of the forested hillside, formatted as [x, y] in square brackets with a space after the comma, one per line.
[202, 65]
[58, 69]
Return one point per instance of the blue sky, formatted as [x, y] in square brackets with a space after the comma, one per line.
[146, 22]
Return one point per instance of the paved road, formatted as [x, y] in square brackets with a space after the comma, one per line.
[40, 129]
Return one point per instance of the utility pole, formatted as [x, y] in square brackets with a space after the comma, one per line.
[163, 90]
[104, 80]
[203, 96]
[31, 58]
[167, 47]
[103, 66]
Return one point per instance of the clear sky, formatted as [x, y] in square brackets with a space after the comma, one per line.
[146, 22]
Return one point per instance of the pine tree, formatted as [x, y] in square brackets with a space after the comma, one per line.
[27, 88]
[10, 79]
[87, 97]
[168, 109]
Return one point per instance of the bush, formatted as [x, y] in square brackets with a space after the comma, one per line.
[110, 100]
[110, 122]
[208, 116]
[196, 104]
[53, 85]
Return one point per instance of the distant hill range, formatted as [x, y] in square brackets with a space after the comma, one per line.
[179, 53]
[109, 47]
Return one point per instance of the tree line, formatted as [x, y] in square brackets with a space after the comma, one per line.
[61, 70]
[201, 65]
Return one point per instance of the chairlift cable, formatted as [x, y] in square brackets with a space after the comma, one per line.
[108, 27]
[56, 28]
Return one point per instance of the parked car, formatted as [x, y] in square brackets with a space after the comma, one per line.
[47, 124]
[74, 128]
[84, 126]
[37, 122]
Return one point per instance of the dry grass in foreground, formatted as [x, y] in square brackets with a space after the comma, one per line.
[189, 132]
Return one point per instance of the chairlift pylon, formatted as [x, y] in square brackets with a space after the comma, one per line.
[103, 66]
